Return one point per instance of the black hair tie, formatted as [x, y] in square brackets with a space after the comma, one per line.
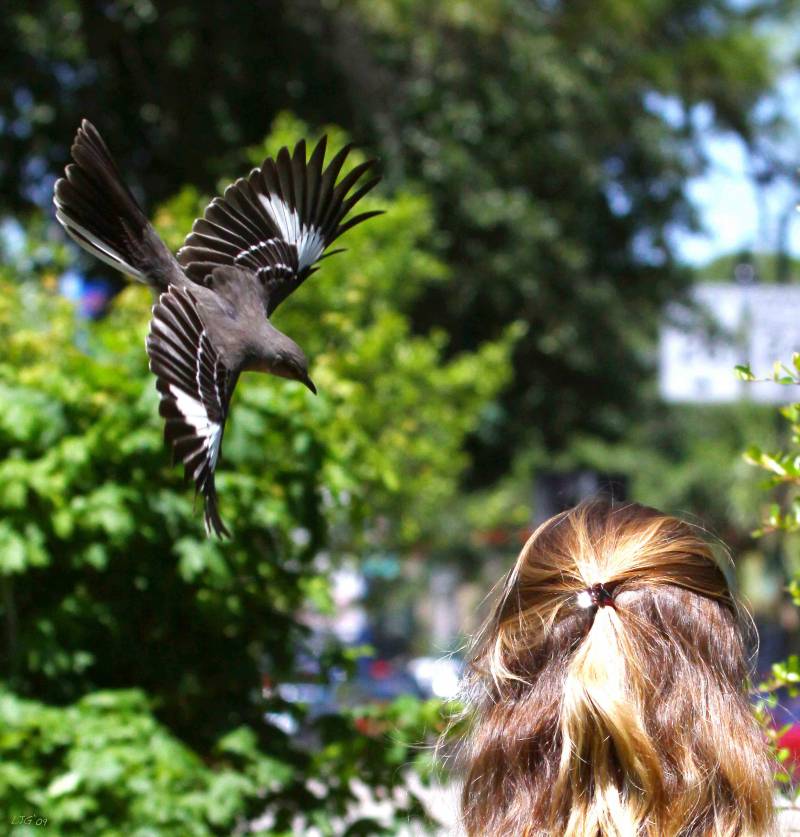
[597, 595]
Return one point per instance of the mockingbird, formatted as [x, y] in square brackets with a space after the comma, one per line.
[252, 248]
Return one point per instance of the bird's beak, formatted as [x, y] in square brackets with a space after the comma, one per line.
[310, 384]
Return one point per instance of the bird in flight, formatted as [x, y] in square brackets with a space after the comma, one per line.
[253, 247]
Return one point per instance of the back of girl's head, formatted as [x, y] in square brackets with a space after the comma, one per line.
[608, 689]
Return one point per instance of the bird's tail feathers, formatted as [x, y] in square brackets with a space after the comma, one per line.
[99, 212]
[211, 516]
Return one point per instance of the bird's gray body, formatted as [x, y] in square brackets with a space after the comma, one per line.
[233, 305]
[232, 309]
[251, 249]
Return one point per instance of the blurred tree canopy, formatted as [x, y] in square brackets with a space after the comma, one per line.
[108, 582]
[748, 266]
[554, 139]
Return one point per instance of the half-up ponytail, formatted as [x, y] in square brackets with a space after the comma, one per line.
[603, 736]
[608, 690]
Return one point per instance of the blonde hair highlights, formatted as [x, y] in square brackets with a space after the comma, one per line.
[625, 720]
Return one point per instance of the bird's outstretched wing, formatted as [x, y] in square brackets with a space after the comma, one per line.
[195, 389]
[278, 220]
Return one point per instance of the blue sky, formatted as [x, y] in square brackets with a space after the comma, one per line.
[732, 211]
[728, 204]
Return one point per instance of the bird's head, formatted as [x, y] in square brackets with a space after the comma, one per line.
[288, 360]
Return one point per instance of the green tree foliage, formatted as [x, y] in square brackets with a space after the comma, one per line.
[681, 461]
[106, 766]
[108, 582]
[555, 139]
[558, 173]
[782, 465]
[780, 519]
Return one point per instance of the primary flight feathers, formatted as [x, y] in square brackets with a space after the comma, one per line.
[251, 249]
[278, 220]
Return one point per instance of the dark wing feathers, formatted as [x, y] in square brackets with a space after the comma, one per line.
[195, 389]
[97, 209]
[94, 206]
[314, 177]
[357, 219]
[278, 220]
[273, 261]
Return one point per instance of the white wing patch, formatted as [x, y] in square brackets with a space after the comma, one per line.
[284, 217]
[309, 247]
[195, 391]
[196, 415]
[308, 240]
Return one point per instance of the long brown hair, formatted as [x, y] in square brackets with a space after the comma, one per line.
[608, 689]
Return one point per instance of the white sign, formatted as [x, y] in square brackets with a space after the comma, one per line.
[733, 324]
